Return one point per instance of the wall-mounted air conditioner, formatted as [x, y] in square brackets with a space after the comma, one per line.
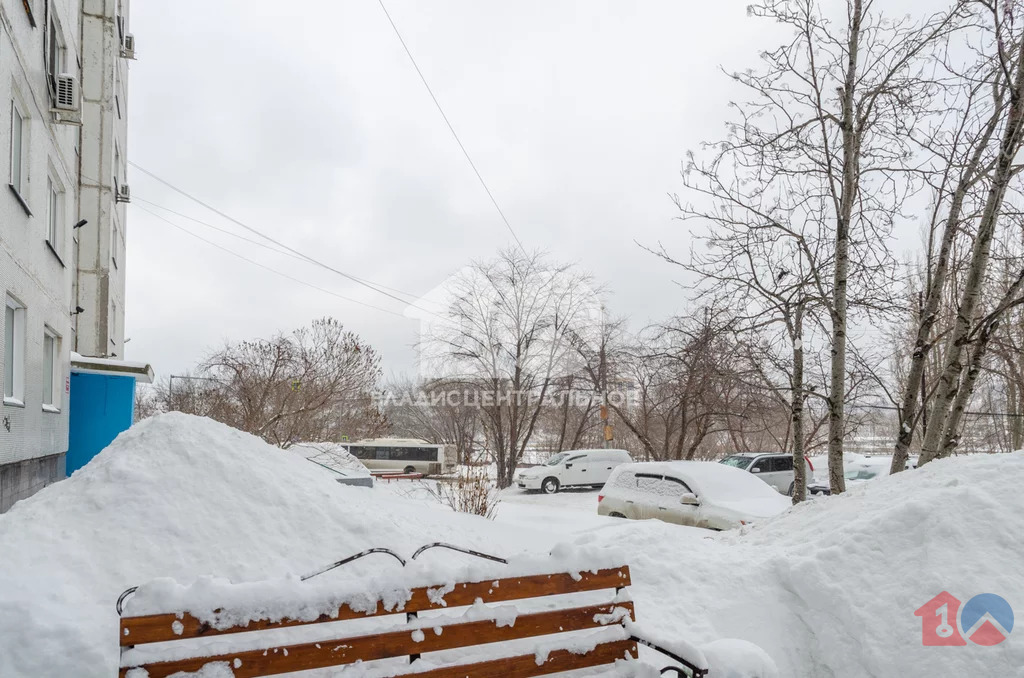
[66, 94]
[128, 49]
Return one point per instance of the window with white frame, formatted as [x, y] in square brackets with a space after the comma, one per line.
[51, 369]
[14, 352]
[17, 148]
[54, 214]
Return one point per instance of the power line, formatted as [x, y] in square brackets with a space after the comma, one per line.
[252, 241]
[308, 258]
[268, 268]
[450, 127]
[217, 228]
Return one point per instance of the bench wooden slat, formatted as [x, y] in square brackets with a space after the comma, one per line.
[161, 627]
[525, 666]
[335, 652]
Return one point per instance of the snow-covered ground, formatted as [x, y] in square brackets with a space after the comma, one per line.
[550, 518]
[827, 589]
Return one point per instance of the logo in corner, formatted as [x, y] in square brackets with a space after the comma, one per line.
[986, 619]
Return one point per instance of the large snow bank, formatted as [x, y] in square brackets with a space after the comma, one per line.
[827, 590]
[179, 496]
[830, 588]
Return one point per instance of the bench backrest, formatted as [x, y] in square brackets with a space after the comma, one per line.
[558, 616]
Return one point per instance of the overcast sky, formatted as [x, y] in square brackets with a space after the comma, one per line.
[315, 129]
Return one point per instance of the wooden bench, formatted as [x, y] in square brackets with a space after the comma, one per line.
[545, 616]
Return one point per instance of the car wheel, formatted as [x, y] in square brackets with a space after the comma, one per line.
[616, 515]
[410, 469]
[550, 485]
[792, 486]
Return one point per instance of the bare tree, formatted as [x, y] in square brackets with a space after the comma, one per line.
[147, 402]
[821, 151]
[315, 384]
[507, 331]
[677, 376]
[439, 411]
[1007, 117]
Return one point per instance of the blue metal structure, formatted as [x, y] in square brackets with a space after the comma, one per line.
[102, 405]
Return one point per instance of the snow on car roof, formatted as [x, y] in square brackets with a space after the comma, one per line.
[708, 477]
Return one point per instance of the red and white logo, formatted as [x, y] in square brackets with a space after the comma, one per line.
[986, 619]
[939, 621]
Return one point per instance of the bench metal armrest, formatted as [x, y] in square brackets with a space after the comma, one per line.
[694, 671]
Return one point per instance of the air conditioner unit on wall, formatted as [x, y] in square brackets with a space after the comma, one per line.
[66, 93]
[124, 193]
[128, 49]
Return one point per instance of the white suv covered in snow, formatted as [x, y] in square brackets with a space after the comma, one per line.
[697, 493]
[576, 468]
[774, 469]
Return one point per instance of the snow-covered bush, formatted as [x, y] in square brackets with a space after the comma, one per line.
[470, 490]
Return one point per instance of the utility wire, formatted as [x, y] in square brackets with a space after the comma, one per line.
[276, 242]
[225, 231]
[254, 242]
[272, 270]
[450, 127]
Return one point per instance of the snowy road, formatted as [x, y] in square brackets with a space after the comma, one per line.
[550, 518]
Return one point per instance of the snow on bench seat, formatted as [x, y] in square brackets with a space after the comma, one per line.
[184, 635]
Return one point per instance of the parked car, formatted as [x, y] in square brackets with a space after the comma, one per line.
[576, 468]
[773, 468]
[860, 470]
[697, 493]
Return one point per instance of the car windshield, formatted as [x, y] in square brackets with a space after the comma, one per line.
[738, 462]
[861, 473]
[557, 459]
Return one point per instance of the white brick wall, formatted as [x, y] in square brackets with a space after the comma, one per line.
[37, 277]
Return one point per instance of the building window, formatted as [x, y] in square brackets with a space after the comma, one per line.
[56, 54]
[14, 352]
[51, 363]
[54, 217]
[17, 149]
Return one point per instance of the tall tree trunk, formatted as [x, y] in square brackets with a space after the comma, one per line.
[850, 181]
[980, 255]
[797, 413]
[911, 404]
[1016, 421]
[951, 434]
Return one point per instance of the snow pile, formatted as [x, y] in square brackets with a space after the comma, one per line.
[179, 496]
[830, 588]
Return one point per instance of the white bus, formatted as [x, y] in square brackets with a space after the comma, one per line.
[400, 455]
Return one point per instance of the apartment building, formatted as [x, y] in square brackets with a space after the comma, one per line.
[63, 93]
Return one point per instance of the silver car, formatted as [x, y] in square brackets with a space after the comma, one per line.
[773, 468]
[697, 493]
